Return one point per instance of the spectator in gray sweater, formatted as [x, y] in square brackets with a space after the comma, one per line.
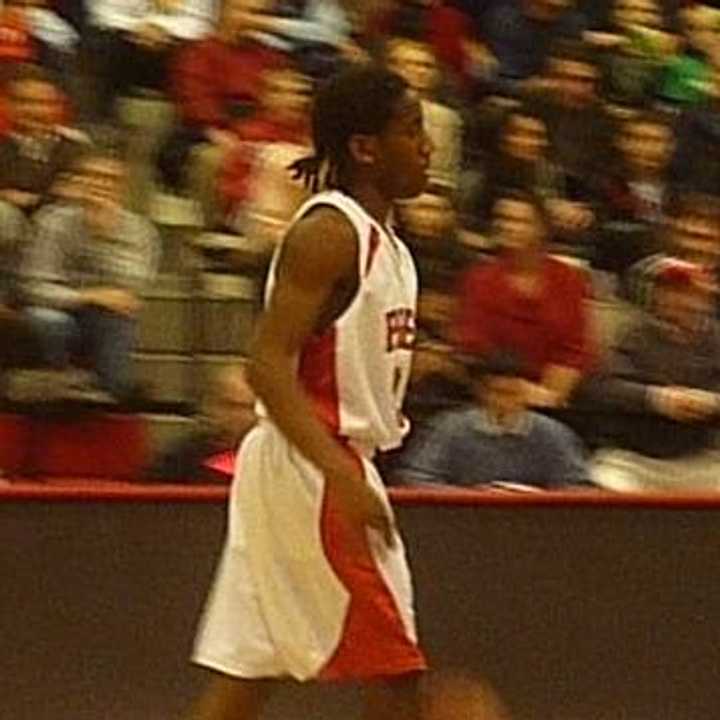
[665, 380]
[88, 263]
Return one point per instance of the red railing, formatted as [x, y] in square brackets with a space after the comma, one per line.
[95, 491]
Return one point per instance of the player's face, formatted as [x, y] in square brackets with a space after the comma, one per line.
[404, 152]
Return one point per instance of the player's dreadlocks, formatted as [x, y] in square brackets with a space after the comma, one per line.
[357, 101]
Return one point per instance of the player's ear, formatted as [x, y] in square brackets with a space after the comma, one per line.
[363, 149]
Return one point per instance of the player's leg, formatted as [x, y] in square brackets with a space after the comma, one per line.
[228, 698]
[396, 698]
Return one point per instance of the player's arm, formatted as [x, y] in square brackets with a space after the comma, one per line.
[315, 277]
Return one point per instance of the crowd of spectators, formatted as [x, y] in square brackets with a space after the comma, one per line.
[576, 163]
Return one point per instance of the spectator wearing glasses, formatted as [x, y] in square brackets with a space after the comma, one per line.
[84, 272]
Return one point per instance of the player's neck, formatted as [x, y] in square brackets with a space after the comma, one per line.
[371, 200]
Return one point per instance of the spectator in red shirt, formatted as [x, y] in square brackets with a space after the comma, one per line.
[528, 302]
[215, 82]
[282, 118]
[447, 26]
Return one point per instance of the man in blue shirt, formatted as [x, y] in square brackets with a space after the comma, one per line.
[497, 440]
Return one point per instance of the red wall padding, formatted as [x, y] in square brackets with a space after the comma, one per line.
[14, 443]
[96, 446]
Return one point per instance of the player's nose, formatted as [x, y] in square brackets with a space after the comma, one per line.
[427, 148]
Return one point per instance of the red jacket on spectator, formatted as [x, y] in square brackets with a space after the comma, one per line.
[550, 329]
[236, 173]
[445, 28]
[211, 76]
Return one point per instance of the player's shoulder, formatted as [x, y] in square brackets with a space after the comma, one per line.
[324, 229]
[326, 216]
[323, 242]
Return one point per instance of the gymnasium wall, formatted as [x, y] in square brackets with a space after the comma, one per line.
[574, 608]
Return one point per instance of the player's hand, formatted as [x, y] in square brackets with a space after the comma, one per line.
[362, 505]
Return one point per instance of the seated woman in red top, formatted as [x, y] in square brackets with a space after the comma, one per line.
[528, 302]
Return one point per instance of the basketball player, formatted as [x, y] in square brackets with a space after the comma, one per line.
[313, 582]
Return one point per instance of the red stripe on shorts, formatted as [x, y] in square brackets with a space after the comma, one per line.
[374, 642]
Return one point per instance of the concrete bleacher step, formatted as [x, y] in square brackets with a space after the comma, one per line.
[207, 366]
[225, 325]
[230, 241]
[166, 378]
[149, 117]
[166, 321]
[222, 286]
[165, 429]
[175, 211]
[177, 254]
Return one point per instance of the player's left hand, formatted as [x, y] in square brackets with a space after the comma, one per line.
[363, 506]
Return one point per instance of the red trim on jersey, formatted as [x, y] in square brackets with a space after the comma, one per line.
[373, 246]
[318, 377]
[374, 642]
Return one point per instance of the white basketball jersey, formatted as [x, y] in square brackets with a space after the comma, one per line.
[356, 372]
